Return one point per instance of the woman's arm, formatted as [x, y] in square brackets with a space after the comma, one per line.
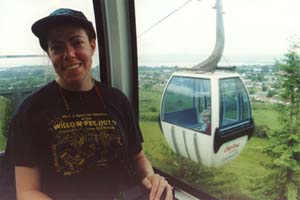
[28, 184]
[150, 180]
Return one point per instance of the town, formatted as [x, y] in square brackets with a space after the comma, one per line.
[260, 80]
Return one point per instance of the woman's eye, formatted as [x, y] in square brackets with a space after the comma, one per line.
[56, 48]
[77, 43]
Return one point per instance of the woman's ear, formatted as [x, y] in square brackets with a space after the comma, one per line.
[93, 44]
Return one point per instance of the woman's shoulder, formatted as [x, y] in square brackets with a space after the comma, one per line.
[40, 96]
[108, 91]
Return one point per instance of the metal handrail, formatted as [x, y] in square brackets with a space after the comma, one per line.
[179, 185]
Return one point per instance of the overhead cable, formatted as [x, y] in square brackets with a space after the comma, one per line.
[177, 9]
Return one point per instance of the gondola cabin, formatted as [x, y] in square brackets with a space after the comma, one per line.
[206, 116]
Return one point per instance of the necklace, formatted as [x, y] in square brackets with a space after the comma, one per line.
[97, 91]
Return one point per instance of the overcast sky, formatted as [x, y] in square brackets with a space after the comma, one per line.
[253, 28]
[16, 18]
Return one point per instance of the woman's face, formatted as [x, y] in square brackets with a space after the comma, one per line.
[70, 52]
[206, 118]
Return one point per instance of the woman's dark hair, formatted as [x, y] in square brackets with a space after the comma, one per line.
[88, 29]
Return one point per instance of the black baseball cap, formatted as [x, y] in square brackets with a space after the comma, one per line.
[61, 16]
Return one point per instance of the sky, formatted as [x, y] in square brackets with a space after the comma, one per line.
[255, 30]
[16, 18]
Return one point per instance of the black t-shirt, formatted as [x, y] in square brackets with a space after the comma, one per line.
[82, 141]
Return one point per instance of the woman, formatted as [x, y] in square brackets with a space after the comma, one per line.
[206, 125]
[75, 137]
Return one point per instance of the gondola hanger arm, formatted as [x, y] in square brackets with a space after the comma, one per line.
[211, 63]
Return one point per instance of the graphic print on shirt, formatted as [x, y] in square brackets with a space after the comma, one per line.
[84, 141]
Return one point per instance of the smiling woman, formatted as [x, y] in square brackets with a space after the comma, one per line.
[71, 50]
[102, 156]
[170, 34]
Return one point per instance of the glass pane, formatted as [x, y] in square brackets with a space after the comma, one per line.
[187, 103]
[179, 95]
[24, 66]
[234, 102]
[246, 104]
[174, 35]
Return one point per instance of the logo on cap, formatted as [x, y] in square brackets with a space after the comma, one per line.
[63, 12]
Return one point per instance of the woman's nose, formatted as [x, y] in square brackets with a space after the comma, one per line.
[69, 52]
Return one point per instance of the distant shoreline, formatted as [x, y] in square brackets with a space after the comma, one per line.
[180, 60]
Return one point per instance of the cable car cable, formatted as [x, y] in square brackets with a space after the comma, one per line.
[158, 22]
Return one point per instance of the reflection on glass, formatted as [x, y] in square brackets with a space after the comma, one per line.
[170, 39]
[186, 103]
[24, 67]
[234, 102]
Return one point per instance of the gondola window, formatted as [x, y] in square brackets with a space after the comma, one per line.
[234, 102]
[185, 101]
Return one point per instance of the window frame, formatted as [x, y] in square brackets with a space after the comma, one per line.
[195, 100]
[242, 93]
[106, 51]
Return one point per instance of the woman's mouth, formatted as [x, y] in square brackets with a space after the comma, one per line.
[72, 67]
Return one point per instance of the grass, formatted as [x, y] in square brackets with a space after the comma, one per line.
[2, 142]
[149, 98]
[154, 143]
[266, 114]
[242, 171]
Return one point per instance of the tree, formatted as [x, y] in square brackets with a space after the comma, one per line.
[147, 86]
[284, 151]
[290, 80]
[264, 87]
[6, 115]
[271, 93]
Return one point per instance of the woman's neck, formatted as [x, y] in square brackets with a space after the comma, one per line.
[77, 86]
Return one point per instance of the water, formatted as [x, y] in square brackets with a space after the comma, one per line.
[180, 60]
[189, 60]
[18, 62]
[32, 61]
